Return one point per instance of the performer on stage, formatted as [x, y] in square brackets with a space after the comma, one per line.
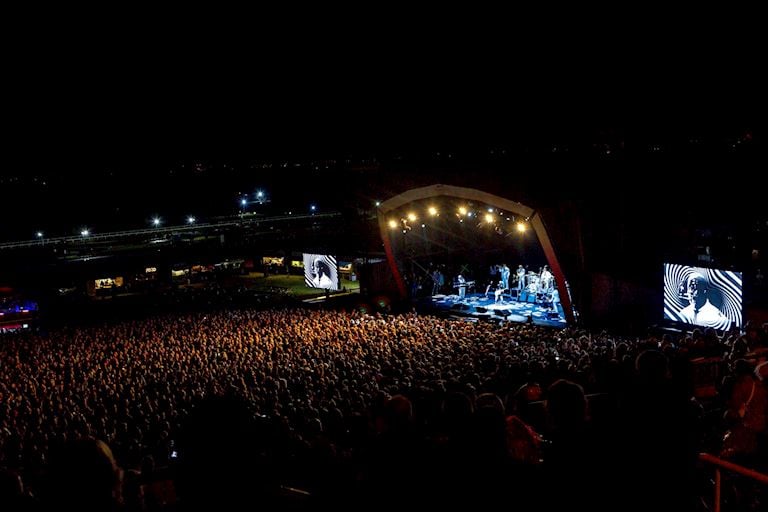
[462, 283]
[499, 292]
[505, 275]
[546, 279]
[436, 278]
[520, 280]
[555, 300]
[491, 286]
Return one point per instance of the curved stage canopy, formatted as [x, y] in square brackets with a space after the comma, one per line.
[469, 194]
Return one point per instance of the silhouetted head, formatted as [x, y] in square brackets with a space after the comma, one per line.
[566, 404]
[652, 366]
[697, 289]
[224, 453]
[84, 476]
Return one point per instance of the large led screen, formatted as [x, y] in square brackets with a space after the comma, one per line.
[705, 297]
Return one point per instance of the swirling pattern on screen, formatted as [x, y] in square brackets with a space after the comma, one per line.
[328, 279]
[725, 288]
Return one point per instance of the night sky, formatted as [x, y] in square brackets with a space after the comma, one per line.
[108, 129]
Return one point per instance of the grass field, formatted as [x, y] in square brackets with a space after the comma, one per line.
[294, 284]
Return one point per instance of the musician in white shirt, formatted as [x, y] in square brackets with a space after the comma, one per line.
[505, 275]
[462, 283]
[520, 280]
[546, 279]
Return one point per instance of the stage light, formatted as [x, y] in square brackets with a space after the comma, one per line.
[490, 210]
[462, 210]
[469, 214]
[259, 194]
[378, 203]
[432, 211]
[191, 219]
[423, 225]
[412, 217]
[392, 223]
[85, 232]
[521, 227]
[156, 221]
[243, 201]
[489, 218]
[39, 234]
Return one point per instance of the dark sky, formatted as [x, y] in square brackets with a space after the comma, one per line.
[77, 110]
[139, 84]
[276, 95]
[79, 103]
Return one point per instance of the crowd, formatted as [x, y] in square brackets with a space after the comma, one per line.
[211, 410]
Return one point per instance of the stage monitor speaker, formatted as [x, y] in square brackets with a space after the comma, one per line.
[531, 297]
[481, 309]
[501, 312]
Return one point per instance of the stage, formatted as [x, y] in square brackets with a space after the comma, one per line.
[510, 309]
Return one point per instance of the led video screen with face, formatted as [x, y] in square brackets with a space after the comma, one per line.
[321, 271]
[704, 297]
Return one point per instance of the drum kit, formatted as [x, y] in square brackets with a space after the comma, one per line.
[541, 289]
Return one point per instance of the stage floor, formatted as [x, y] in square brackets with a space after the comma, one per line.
[479, 306]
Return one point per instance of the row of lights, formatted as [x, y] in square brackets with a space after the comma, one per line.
[156, 221]
[462, 211]
[261, 197]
